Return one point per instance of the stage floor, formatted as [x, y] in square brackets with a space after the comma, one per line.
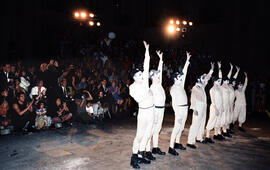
[108, 146]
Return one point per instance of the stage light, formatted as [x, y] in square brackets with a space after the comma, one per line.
[177, 22]
[83, 15]
[76, 14]
[177, 29]
[171, 29]
[91, 15]
[190, 23]
[185, 22]
[98, 24]
[91, 23]
[171, 21]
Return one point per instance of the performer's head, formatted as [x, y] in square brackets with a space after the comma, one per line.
[201, 79]
[137, 75]
[240, 86]
[154, 76]
[177, 78]
[226, 81]
[233, 82]
[217, 81]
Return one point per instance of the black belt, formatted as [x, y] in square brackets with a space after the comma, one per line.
[160, 107]
[183, 105]
[146, 107]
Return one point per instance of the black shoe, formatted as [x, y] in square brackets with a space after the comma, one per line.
[149, 156]
[157, 151]
[203, 141]
[192, 146]
[226, 134]
[142, 160]
[173, 151]
[179, 146]
[209, 140]
[241, 129]
[221, 137]
[231, 126]
[230, 131]
[134, 161]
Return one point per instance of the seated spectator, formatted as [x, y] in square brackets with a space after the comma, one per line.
[62, 112]
[63, 92]
[115, 90]
[4, 107]
[42, 120]
[38, 90]
[22, 116]
[82, 84]
[24, 82]
[81, 99]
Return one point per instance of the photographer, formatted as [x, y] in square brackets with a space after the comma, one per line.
[81, 99]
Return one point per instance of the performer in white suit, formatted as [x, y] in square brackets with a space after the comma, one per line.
[159, 102]
[199, 106]
[180, 107]
[142, 94]
[240, 103]
[216, 108]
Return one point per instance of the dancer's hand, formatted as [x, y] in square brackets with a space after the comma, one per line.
[160, 54]
[188, 55]
[219, 64]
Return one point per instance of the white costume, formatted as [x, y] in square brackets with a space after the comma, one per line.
[179, 104]
[142, 94]
[216, 107]
[199, 106]
[225, 118]
[159, 98]
[240, 103]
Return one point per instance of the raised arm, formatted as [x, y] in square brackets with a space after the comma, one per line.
[246, 81]
[160, 65]
[186, 67]
[219, 70]
[208, 76]
[236, 74]
[230, 72]
[146, 64]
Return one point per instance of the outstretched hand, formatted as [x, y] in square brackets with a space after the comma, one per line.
[231, 65]
[219, 64]
[212, 65]
[245, 74]
[160, 54]
[146, 45]
[238, 68]
[188, 55]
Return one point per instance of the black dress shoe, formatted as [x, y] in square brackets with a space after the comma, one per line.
[192, 146]
[226, 134]
[230, 131]
[241, 129]
[142, 160]
[209, 140]
[179, 146]
[221, 137]
[231, 126]
[173, 151]
[149, 156]
[134, 161]
[158, 151]
[203, 141]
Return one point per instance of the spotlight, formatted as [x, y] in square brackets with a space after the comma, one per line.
[185, 22]
[171, 29]
[83, 14]
[171, 21]
[177, 22]
[190, 23]
[177, 29]
[91, 15]
[91, 23]
[98, 24]
[76, 14]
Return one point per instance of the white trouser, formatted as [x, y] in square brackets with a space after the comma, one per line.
[145, 121]
[98, 110]
[240, 113]
[158, 119]
[226, 118]
[197, 126]
[231, 114]
[180, 113]
[213, 121]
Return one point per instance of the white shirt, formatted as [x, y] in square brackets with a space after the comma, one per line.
[216, 97]
[34, 91]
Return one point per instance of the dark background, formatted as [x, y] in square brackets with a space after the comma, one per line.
[231, 30]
